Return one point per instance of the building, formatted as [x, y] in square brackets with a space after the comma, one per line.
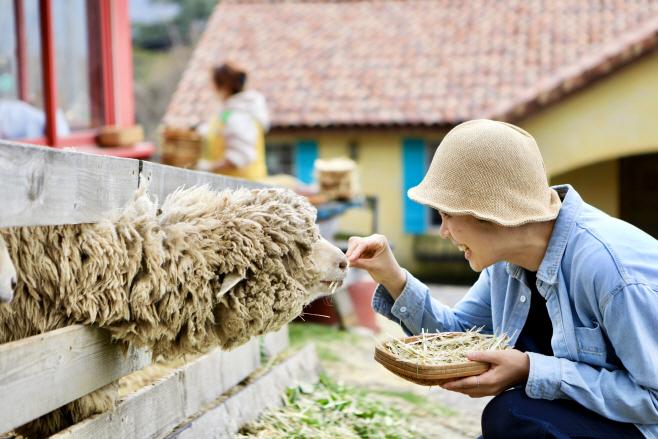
[384, 81]
[65, 71]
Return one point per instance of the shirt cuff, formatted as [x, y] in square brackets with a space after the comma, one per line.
[544, 378]
[382, 302]
[407, 309]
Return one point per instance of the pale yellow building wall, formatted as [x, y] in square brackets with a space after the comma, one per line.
[616, 116]
[580, 138]
[597, 184]
[379, 161]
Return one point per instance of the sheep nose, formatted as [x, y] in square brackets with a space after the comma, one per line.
[343, 264]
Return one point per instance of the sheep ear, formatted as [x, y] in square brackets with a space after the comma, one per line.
[230, 280]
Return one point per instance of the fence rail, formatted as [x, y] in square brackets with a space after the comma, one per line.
[46, 186]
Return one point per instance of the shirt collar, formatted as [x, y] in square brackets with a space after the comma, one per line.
[572, 204]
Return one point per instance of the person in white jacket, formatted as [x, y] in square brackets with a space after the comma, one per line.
[235, 142]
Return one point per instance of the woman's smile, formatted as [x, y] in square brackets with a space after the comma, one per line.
[465, 249]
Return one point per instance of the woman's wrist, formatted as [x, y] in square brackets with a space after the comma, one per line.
[395, 285]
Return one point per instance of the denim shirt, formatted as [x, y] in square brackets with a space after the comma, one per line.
[599, 277]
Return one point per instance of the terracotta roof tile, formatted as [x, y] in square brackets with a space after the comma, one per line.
[420, 62]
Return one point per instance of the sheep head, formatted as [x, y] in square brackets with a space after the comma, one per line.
[204, 269]
[7, 274]
[333, 267]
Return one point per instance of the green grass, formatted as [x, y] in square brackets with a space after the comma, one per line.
[328, 339]
[332, 343]
[332, 410]
[421, 403]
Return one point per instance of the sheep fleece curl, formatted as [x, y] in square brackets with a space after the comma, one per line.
[151, 276]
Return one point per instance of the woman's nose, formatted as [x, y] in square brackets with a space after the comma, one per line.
[444, 232]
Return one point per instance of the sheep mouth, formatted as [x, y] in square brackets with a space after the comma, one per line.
[329, 282]
[333, 285]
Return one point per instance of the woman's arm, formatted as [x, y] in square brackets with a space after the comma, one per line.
[410, 304]
[629, 394]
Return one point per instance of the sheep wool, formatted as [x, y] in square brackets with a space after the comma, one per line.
[205, 269]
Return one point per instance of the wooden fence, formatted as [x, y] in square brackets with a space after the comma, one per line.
[45, 186]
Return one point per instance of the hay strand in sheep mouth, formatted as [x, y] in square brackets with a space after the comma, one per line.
[445, 348]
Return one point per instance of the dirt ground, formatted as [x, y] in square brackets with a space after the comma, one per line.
[351, 359]
[356, 366]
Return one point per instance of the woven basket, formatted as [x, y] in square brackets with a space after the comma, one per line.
[180, 147]
[427, 375]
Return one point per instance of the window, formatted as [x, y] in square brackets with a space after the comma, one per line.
[279, 158]
[296, 159]
[8, 65]
[21, 71]
[62, 80]
[78, 65]
[434, 215]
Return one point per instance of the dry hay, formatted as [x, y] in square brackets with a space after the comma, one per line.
[446, 348]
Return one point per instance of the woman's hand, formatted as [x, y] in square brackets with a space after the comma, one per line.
[221, 165]
[509, 367]
[374, 255]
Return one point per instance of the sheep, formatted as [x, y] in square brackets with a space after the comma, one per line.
[7, 274]
[205, 269]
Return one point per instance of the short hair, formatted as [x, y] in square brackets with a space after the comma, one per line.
[229, 77]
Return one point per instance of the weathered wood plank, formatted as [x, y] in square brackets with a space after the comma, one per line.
[153, 410]
[47, 186]
[68, 362]
[163, 180]
[224, 419]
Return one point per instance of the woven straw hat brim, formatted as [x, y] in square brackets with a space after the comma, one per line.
[553, 210]
[492, 171]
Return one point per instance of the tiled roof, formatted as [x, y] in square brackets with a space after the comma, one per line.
[415, 62]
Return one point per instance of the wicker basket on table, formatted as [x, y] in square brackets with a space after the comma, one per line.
[426, 375]
[180, 147]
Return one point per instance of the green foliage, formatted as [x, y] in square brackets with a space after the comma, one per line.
[328, 339]
[422, 405]
[183, 29]
[332, 410]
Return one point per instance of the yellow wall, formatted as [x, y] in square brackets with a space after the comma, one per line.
[597, 184]
[614, 117]
[580, 138]
[380, 174]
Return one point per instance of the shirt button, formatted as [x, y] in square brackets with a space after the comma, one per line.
[522, 299]
[403, 309]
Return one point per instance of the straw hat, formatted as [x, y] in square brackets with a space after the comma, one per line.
[491, 170]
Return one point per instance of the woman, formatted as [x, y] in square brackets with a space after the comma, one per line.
[235, 142]
[575, 289]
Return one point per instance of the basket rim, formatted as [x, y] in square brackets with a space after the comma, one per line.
[433, 370]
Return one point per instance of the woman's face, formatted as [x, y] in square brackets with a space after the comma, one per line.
[223, 93]
[482, 242]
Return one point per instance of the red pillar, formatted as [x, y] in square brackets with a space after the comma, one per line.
[49, 71]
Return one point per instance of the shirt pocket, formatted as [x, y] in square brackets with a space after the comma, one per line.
[591, 345]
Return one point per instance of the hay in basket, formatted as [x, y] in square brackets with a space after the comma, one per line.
[433, 359]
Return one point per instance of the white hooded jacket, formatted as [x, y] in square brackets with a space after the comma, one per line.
[240, 131]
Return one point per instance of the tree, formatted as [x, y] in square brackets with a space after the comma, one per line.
[185, 28]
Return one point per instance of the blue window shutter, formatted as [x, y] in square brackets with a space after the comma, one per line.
[305, 154]
[413, 171]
